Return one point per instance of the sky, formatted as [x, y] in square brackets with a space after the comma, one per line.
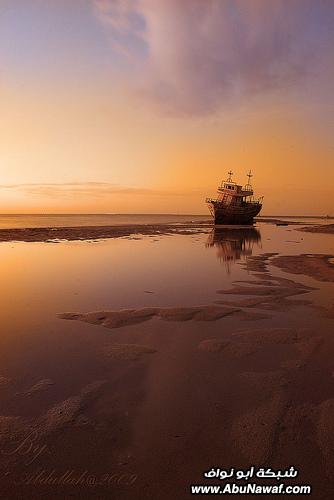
[142, 106]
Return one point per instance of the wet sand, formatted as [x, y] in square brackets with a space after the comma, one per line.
[161, 394]
[117, 319]
[322, 228]
[316, 266]
[268, 366]
[56, 234]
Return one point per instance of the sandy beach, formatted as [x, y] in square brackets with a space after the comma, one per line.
[138, 399]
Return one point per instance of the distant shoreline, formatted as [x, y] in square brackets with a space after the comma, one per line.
[99, 232]
[152, 214]
[57, 234]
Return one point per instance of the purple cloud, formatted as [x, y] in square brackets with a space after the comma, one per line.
[193, 56]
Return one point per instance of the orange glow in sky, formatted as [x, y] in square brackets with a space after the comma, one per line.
[115, 105]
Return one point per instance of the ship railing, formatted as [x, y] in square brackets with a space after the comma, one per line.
[255, 201]
[252, 200]
[258, 200]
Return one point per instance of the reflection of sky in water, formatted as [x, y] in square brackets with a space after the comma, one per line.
[41, 279]
[233, 244]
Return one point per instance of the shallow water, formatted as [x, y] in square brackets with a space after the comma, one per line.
[43, 279]
[70, 220]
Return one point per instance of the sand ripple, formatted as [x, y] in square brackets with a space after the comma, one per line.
[42, 385]
[64, 413]
[212, 345]
[254, 433]
[125, 317]
[130, 352]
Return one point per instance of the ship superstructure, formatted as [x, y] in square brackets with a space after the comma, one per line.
[234, 204]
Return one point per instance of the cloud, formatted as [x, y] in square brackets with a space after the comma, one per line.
[125, 25]
[76, 189]
[86, 189]
[193, 56]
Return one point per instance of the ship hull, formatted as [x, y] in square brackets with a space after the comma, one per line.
[232, 214]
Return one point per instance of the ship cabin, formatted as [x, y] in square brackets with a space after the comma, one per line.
[231, 193]
[235, 204]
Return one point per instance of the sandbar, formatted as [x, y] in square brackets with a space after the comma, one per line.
[321, 228]
[57, 234]
[317, 266]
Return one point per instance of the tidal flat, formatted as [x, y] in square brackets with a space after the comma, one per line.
[133, 363]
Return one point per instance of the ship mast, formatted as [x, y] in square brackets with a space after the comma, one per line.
[230, 173]
[248, 186]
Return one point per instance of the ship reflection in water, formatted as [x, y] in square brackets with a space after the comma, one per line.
[232, 244]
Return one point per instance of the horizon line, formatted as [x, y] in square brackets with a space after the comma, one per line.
[41, 214]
